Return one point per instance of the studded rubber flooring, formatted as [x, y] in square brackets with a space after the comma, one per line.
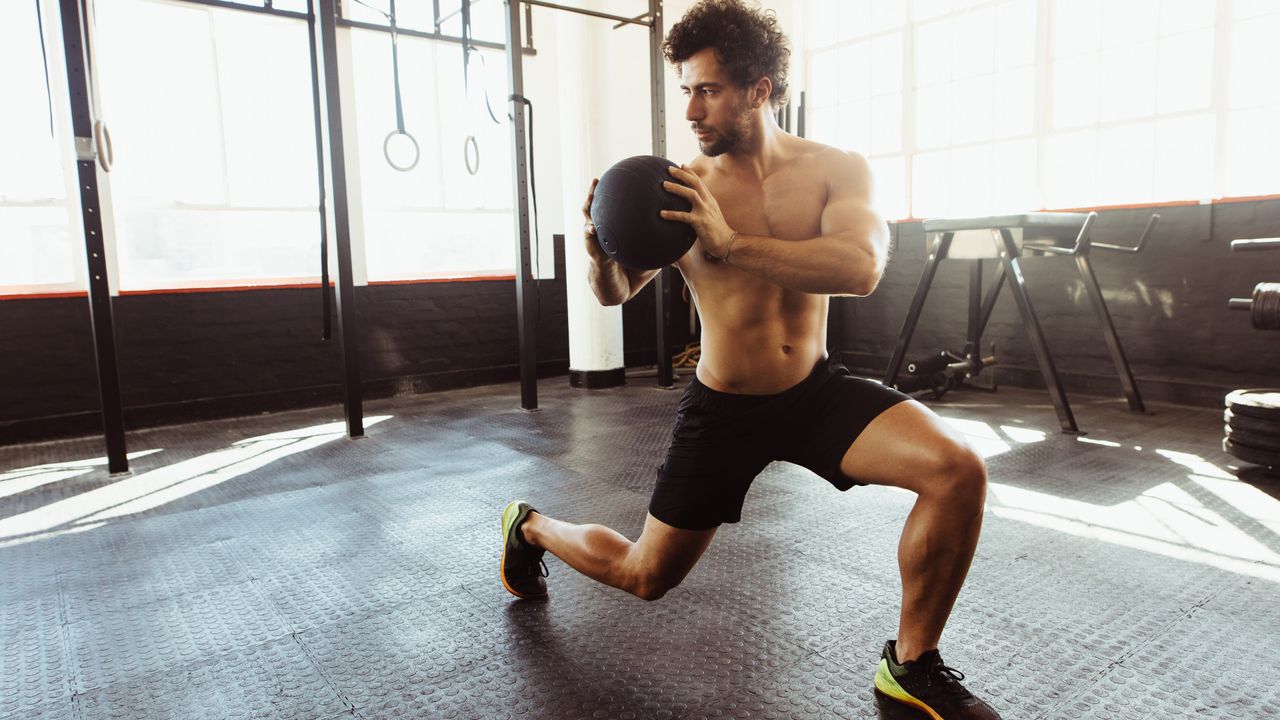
[269, 567]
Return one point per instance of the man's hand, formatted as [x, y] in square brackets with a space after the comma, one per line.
[594, 251]
[705, 216]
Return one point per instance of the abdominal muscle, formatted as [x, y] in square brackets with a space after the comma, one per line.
[761, 345]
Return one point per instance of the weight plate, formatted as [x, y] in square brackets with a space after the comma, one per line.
[1250, 423]
[1266, 306]
[1251, 455]
[1255, 440]
[1256, 402]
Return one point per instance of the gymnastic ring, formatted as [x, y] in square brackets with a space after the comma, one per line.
[470, 146]
[386, 151]
[102, 138]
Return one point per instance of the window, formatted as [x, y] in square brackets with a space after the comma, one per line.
[1011, 105]
[215, 180]
[38, 210]
[437, 220]
[211, 115]
[863, 65]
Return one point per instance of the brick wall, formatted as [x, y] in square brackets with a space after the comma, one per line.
[190, 355]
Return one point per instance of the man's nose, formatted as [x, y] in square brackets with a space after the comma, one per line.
[694, 110]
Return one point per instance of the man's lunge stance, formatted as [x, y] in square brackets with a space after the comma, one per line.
[782, 223]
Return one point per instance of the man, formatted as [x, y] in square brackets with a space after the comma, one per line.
[782, 224]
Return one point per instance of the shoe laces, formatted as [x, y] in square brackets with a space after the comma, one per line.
[942, 675]
[542, 570]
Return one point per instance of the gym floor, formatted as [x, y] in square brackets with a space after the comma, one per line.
[270, 567]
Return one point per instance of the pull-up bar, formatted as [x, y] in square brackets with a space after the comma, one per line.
[582, 11]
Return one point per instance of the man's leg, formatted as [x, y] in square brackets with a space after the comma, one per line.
[910, 447]
[646, 568]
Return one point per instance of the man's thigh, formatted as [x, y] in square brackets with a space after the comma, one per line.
[670, 552]
[905, 446]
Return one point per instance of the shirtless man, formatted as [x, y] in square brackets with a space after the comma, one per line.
[782, 224]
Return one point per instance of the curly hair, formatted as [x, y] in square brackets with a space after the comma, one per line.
[746, 40]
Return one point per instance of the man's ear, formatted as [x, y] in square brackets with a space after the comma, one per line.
[760, 92]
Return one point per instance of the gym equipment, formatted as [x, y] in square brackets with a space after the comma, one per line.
[625, 212]
[395, 79]
[1264, 306]
[1252, 455]
[1007, 239]
[944, 372]
[1249, 423]
[1252, 430]
[1253, 415]
[1270, 442]
[1261, 403]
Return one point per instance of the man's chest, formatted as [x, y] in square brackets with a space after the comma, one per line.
[782, 206]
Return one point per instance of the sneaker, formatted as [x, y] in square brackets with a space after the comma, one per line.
[522, 567]
[929, 685]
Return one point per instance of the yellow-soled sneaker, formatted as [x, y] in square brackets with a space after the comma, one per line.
[522, 569]
[929, 685]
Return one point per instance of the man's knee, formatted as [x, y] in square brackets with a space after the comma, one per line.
[651, 585]
[962, 472]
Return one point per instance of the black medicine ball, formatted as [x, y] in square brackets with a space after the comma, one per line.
[625, 212]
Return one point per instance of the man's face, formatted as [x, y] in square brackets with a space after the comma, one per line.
[718, 111]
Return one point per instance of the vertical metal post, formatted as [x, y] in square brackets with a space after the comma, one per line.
[325, 27]
[662, 287]
[1109, 331]
[74, 42]
[1018, 286]
[941, 246]
[525, 290]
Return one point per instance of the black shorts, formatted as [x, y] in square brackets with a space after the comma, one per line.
[721, 441]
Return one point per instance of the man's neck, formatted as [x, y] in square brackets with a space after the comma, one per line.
[760, 152]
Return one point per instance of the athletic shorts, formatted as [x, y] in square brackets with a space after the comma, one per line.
[721, 441]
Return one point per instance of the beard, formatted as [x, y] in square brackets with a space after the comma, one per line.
[730, 138]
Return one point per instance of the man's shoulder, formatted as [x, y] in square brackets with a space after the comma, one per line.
[830, 155]
[832, 163]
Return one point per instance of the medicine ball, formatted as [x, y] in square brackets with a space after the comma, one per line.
[625, 212]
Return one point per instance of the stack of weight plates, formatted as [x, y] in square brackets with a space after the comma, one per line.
[1253, 426]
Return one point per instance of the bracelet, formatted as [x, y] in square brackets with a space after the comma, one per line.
[728, 248]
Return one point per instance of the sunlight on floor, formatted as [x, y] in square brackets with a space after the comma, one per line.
[22, 480]
[1169, 519]
[154, 488]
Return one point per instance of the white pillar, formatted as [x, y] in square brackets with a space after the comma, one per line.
[595, 332]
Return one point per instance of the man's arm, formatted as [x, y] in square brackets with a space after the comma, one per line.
[612, 283]
[848, 258]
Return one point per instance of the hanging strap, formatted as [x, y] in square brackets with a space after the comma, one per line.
[395, 79]
[395, 68]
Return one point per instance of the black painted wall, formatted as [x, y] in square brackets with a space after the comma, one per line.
[1169, 305]
[193, 355]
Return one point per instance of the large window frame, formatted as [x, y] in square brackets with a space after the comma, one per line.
[832, 26]
[493, 207]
